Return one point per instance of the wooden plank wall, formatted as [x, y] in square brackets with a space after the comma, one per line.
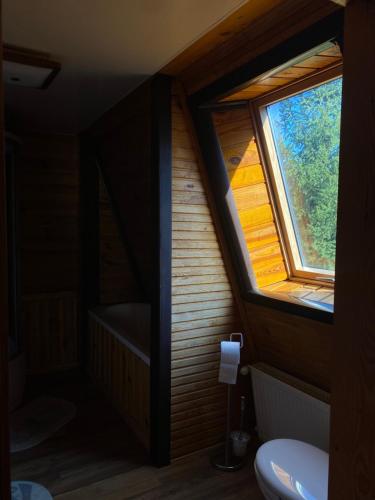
[203, 308]
[50, 321]
[247, 179]
[117, 281]
[123, 376]
[299, 346]
[123, 141]
[48, 185]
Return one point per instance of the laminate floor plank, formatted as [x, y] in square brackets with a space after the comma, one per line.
[96, 445]
[189, 478]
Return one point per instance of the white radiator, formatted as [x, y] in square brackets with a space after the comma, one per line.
[288, 408]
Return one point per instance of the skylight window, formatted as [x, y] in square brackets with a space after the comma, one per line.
[275, 179]
[301, 135]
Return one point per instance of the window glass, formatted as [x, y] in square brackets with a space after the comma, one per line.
[306, 133]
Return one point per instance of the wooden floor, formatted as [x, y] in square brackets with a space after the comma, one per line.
[190, 478]
[95, 446]
[95, 457]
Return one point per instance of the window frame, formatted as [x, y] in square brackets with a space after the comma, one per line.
[200, 104]
[288, 238]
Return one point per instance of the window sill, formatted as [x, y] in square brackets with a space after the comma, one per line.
[301, 299]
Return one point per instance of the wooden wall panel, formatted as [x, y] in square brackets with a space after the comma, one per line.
[117, 281]
[299, 346]
[122, 137]
[47, 172]
[50, 330]
[123, 376]
[296, 345]
[236, 135]
[203, 307]
[48, 180]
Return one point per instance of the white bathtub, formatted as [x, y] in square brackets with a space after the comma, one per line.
[129, 323]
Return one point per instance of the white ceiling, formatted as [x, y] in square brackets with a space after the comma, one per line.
[106, 48]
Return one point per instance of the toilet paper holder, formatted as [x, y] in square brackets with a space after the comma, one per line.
[238, 335]
[226, 461]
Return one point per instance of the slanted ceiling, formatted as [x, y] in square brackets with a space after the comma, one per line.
[106, 50]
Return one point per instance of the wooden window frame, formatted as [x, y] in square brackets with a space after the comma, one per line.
[288, 238]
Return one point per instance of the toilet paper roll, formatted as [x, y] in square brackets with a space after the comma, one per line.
[228, 374]
[230, 352]
[230, 358]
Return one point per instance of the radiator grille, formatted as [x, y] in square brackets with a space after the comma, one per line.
[285, 411]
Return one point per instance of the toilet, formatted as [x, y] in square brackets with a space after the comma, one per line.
[287, 469]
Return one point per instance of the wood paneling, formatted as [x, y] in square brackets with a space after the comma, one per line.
[122, 138]
[352, 449]
[47, 172]
[303, 68]
[247, 178]
[117, 281]
[50, 331]
[48, 180]
[4, 310]
[296, 345]
[272, 24]
[203, 307]
[123, 376]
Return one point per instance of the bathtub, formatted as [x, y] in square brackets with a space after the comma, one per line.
[119, 360]
[129, 323]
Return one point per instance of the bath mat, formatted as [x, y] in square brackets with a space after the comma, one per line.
[25, 490]
[38, 420]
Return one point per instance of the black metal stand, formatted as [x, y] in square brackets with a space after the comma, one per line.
[225, 460]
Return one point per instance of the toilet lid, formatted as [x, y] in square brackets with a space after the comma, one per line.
[293, 470]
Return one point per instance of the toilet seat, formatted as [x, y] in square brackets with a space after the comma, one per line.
[293, 470]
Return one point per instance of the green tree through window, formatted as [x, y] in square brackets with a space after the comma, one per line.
[306, 132]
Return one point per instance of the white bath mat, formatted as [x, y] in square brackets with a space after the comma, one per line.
[38, 420]
[25, 490]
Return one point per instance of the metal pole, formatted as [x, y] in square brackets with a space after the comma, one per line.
[227, 443]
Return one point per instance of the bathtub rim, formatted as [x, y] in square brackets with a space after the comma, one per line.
[124, 340]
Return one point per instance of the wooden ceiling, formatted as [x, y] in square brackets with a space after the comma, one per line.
[307, 67]
[253, 29]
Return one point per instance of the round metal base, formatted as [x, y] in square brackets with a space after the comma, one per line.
[230, 463]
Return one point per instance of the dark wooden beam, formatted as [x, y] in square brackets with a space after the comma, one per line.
[89, 233]
[352, 449]
[4, 314]
[161, 158]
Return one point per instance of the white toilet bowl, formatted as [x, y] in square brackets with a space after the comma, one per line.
[287, 469]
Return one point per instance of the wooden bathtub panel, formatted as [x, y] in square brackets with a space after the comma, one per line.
[123, 376]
